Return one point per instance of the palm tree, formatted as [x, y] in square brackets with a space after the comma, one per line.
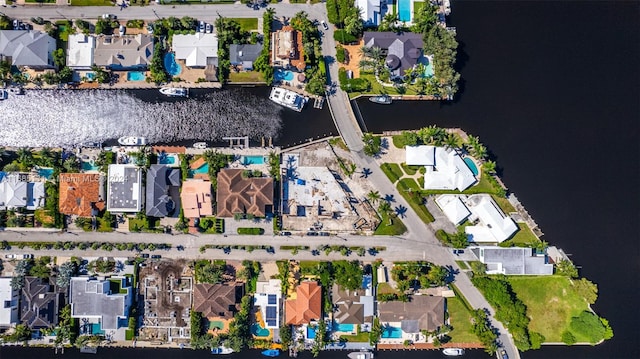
[384, 207]
[479, 151]
[489, 167]
[25, 157]
[365, 51]
[451, 140]
[472, 141]
[373, 196]
[47, 157]
[388, 21]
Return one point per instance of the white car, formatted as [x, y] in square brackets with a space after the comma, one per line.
[209, 28]
[201, 27]
[324, 25]
[10, 256]
[109, 16]
[122, 30]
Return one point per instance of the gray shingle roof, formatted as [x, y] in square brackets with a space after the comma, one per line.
[28, 48]
[403, 50]
[160, 179]
[240, 53]
[39, 304]
[134, 51]
[421, 313]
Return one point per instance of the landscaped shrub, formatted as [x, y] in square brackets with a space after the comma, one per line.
[344, 37]
[251, 231]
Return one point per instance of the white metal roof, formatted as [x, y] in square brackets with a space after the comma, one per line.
[494, 225]
[450, 172]
[80, 51]
[453, 207]
[420, 155]
[195, 48]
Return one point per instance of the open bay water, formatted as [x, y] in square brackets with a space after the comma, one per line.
[552, 89]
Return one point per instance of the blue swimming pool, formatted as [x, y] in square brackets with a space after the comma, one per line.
[428, 67]
[45, 172]
[404, 10]
[90, 75]
[311, 333]
[392, 332]
[170, 64]
[259, 331]
[471, 165]
[136, 76]
[166, 159]
[252, 160]
[343, 327]
[89, 166]
[283, 75]
[200, 170]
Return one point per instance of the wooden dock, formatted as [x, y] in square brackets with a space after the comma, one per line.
[318, 103]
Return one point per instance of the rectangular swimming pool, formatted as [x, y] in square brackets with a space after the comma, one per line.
[391, 332]
[338, 327]
[404, 10]
[252, 160]
[135, 76]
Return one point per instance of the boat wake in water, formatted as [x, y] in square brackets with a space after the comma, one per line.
[63, 118]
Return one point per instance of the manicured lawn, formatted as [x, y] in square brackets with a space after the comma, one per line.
[251, 231]
[551, 303]
[410, 170]
[307, 267]
[358, 338]
[386, 288]
[460, 321]
[504, 204]
[392, 170]
[462, 264]
[396, 227]
[524, 235]
[245, 76]
[398, 141]
[408, 185]
[91, 3]
[246, 23]
[414, 199]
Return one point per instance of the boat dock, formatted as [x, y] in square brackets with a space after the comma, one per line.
[318, 103]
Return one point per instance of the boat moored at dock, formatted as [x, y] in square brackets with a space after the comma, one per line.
[221, 350]
[175, 91]
[381, 99]
[453, 352]
[132, 141]
[288, 98]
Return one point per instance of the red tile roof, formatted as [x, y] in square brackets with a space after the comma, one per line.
[307, 306]
[237, 194]
[78, 191]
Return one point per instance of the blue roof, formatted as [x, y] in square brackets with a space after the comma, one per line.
[271, 299]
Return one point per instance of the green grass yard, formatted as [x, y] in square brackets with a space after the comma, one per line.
[551, 303]
[524, 235]
[460, 321]
[392, 170]
[246, 23]
[246, 76]
[358, 338]
[91, 3]
[396, 227]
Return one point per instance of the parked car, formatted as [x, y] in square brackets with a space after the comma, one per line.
[10, 256]
[26, 256]
[180, 248]
[16, 24]
[312, 234]
[324, 25]
[109, 16]
[150, 29]
[201, 26]
[209, 28]
[122, 30]
[144, 255]
[156, 256]
[285, 233]
[324, 234]
[503, 354]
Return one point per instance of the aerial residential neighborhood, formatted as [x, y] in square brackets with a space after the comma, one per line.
[162, 211]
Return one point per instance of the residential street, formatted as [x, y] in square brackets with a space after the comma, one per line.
[419, 243]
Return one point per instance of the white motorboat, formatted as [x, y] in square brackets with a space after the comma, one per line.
[363, 354]
[3, 94]
[288, 98]
[200, 145]
[381, 99]
[16, 90]
[221, 350]
[175, 91]
[132, 141]
[453, 352]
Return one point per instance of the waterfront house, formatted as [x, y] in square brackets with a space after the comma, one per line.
[238, 194]
[513, 261]
[445, 169]
[33, 49]
[352, 306]
[100, 304]
[162, 191]
[80, 49]
[490, 224]
[307, 305]
[372, 11]
[220, 301]
[268, 298]
[129, 52]
[401, 51]
[287, 50]
[16, 191]
[421, 312]
[198, 50]
[9, 303]
[196, 199]
[40, 303]
[81, 194]
[243, 55]
[124, 188]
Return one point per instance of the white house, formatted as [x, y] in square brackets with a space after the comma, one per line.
[197, 50]
[445, 169]
[269, 298]
[92, 301]
[17, 192]
[371, 13]
[453, 207]
[8, 303]
[493, 225]
[513, 261]
[124, 188]
[80, 51]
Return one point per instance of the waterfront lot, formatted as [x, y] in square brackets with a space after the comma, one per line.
[551, 303]
[460, 321]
